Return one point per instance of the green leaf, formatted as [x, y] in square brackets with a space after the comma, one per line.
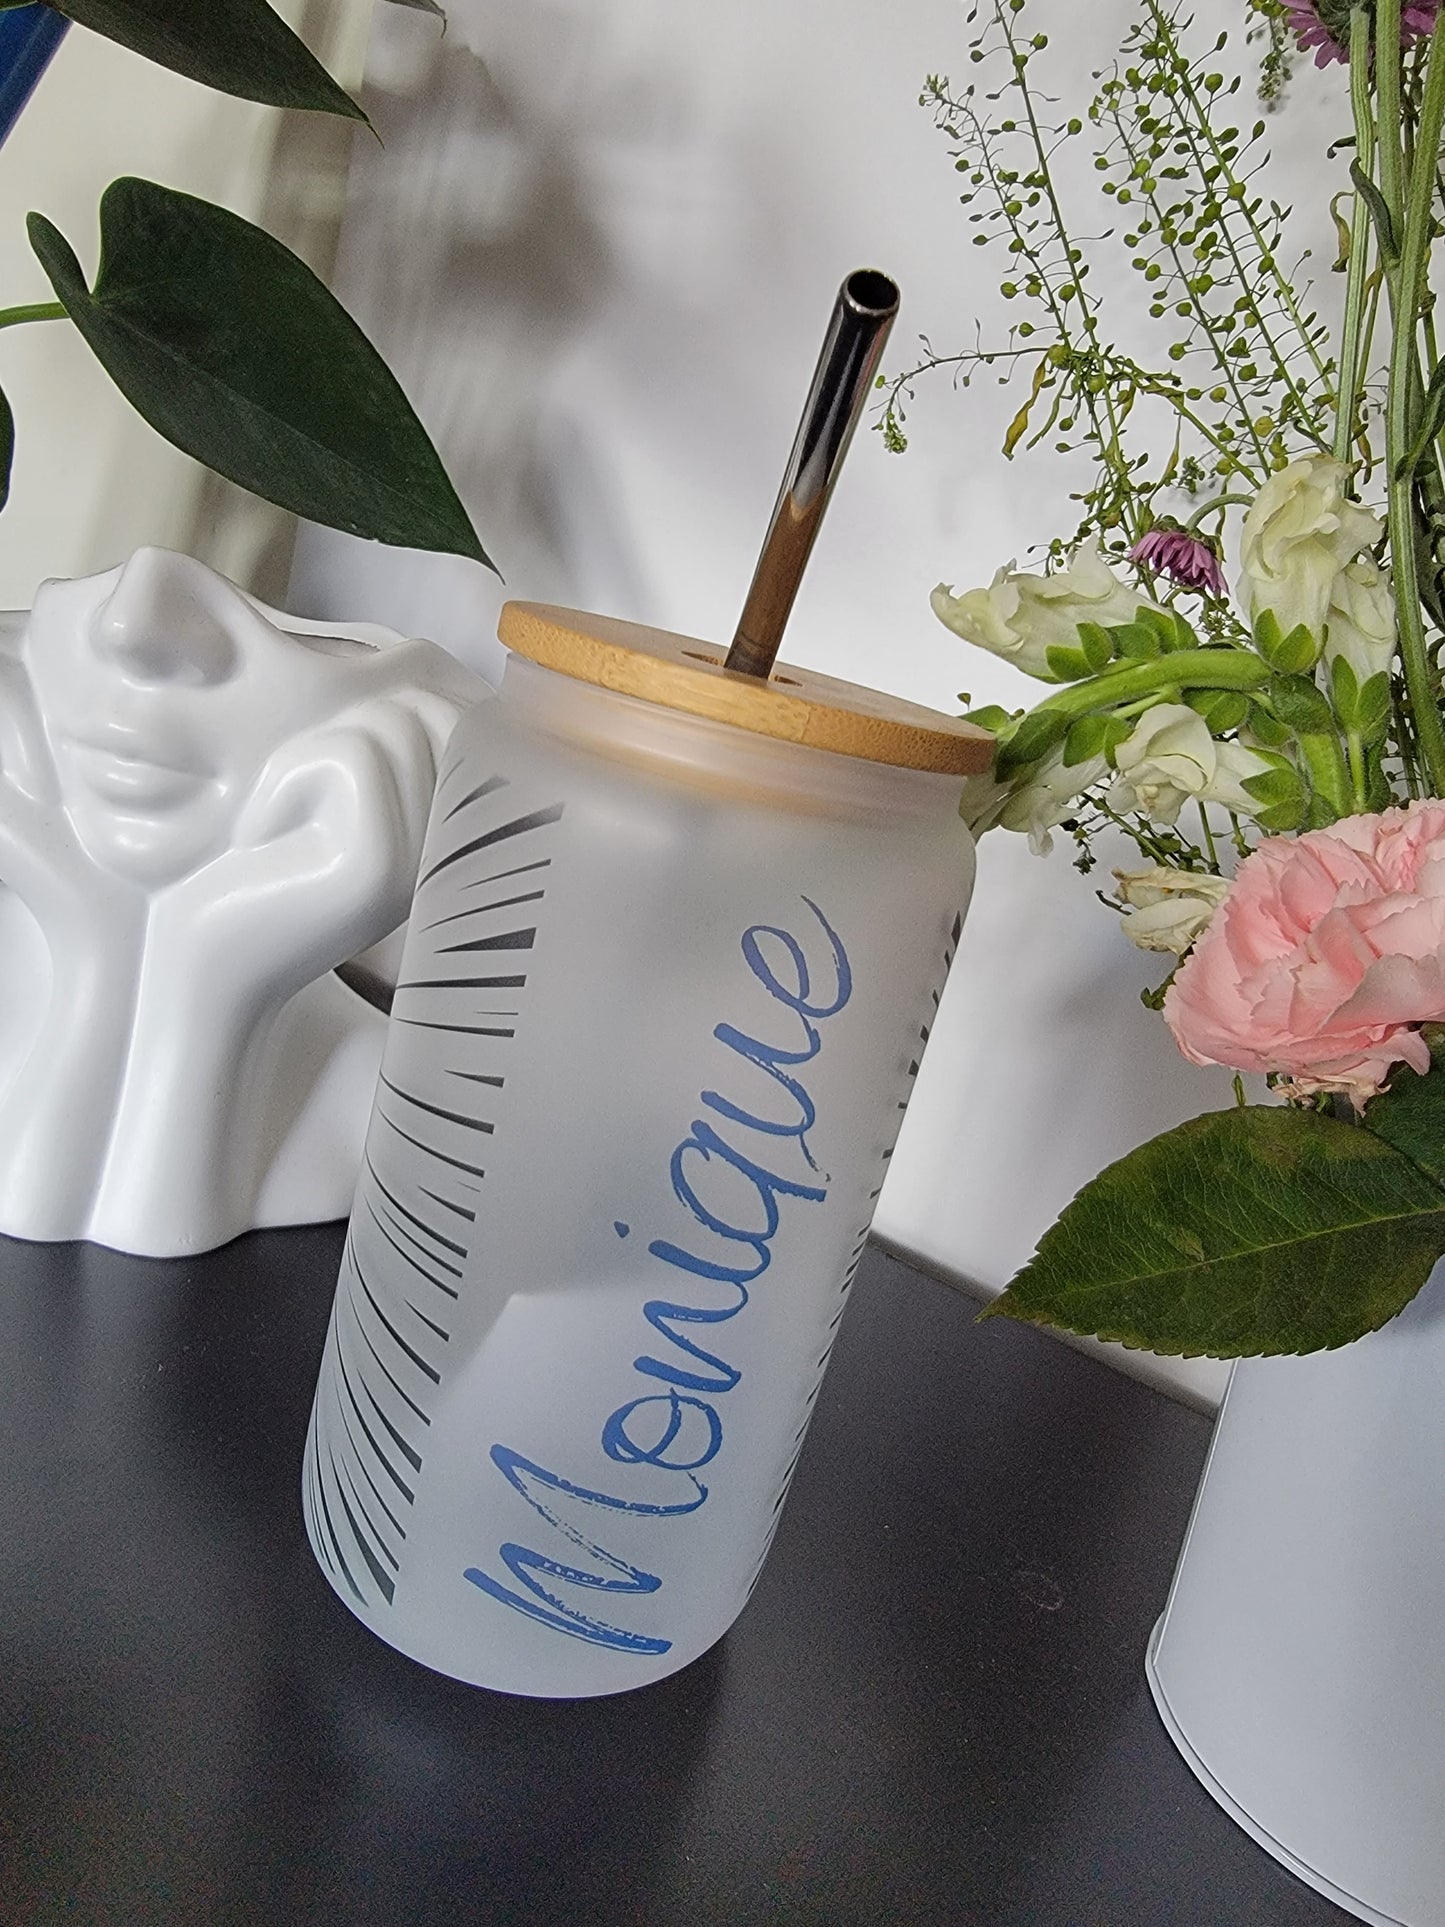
[1222, 709]
[1135, 640]
[1252, 1231]
[1095, 643]
[1431, 421]
[1379, 213]
[1300, 704]
[1345, 692]
[1410, 1115]
[1290, 654]
[1030, 738]
[1280, 783]
[1067, 665]
[7, 446]
[236, 46]
[1265, 727]
[231, 348]
[1094, 735]
[422, 6]
[1374, 707]
[1170, 632]
[1019, 426]
[991, 717]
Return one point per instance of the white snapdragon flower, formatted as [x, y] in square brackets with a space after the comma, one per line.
[1168, 909]
[1046, 796]
[1021, 617]
[1362, 619]
[1171, 759]
[983, 802]
[1299, 533]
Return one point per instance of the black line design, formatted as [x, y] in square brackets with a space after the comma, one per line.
[420, 1201]
[481, 909]
[475, 796]
[535, 820]
[508, 940]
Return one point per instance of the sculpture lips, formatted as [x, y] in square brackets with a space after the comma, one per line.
[124, 779]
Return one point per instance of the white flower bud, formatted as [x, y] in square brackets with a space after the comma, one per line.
[1299, 533]
[1168, 909]
[1021, 617]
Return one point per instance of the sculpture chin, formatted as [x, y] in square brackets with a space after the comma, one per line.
[197, 807]
[145, 822]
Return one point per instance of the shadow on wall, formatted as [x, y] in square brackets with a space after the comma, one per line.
[505, 269]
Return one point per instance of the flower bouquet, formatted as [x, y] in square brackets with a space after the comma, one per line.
[1274, 750]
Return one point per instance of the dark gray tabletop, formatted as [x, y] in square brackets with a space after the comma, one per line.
[933, 1710]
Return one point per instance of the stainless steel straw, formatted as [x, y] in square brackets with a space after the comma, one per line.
[852, 348]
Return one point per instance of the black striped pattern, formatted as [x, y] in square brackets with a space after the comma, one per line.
[403, 1274]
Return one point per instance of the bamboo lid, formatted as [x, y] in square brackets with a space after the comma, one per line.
[794, 705]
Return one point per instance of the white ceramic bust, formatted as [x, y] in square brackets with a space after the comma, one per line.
[206, 807]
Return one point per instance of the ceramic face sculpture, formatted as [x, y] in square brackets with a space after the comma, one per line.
[205, 808]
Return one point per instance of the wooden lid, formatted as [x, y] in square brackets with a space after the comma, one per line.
[794, 705]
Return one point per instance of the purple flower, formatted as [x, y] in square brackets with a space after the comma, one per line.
[1190, 560]
[1324, 25]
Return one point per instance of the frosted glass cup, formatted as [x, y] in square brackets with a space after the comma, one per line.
[666, 985]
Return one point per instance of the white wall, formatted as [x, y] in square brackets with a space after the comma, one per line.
[91, 480]
[599, 249]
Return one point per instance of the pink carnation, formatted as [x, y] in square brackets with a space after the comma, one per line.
[1325, 958]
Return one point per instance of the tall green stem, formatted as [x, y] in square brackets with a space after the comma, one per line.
[1351, 371]
[1411, 209]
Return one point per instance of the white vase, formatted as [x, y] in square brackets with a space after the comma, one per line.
[1300, 1662]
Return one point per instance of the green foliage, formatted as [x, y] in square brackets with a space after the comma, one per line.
[1282, 794]
[231, 348]
[7, 447]
[1291, 653]
[1067, 665]
[1261, 1230]
[1097, 645]
[1030, 737]
[1300, 705]
[1410, 1115]
[236, 46]
[1241, 363]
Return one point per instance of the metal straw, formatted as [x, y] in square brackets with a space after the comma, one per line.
[852, 348]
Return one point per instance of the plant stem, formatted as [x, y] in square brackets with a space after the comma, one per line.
[1216, 507]
[1208, 836]
[1355, 749]
[1357, 280]
[1183, 669]
[1411, 209]
[32, 311]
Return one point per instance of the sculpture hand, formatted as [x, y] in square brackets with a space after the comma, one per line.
[323, 861]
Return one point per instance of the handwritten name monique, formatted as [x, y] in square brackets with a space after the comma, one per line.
[680, 1430]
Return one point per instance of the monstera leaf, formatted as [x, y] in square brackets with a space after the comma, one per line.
[236, 46]
[232, 349]
[7, 447]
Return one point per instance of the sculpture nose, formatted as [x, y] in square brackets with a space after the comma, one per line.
[170, 620]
